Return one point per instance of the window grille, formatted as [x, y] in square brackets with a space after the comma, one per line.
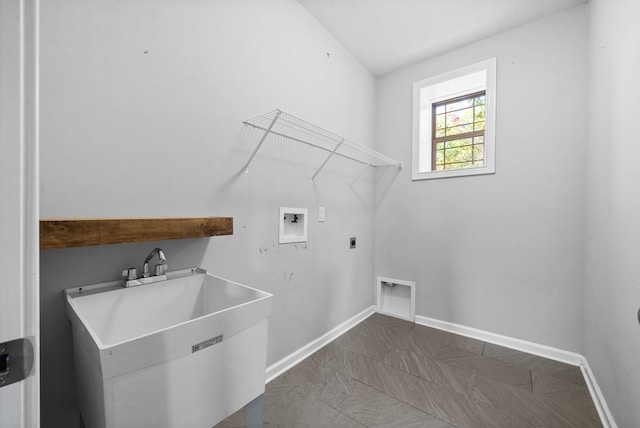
[458, 132]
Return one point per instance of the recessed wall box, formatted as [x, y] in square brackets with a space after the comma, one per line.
[293, 225]
[396, 298]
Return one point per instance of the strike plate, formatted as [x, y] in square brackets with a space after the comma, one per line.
[16, 361]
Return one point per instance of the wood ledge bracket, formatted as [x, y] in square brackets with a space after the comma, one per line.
[68, 233]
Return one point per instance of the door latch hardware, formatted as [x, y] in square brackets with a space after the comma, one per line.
[16, 361]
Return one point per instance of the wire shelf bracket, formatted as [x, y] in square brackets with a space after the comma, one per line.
[293, 128]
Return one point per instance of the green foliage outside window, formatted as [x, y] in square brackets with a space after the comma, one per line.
[458, 132]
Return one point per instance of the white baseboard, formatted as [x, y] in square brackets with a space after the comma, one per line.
[549, 352]
[545, 351]
[294, 358]
[596, 393]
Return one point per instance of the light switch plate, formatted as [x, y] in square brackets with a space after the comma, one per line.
[321, 214]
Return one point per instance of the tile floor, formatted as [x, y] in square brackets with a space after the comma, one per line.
[387, 372]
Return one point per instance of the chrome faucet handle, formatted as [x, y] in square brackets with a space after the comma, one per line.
[130, 274]
[161, 269]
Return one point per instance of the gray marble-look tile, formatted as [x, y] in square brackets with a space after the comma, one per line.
[389, 322]
[556, 388]
[502, 396]
[451, 353]
[483, 366]
[404, 339]
[319, 382]
[376, 374]
[296, 409]
[326, 355]
[237, 421]
[464, 343]
[566, 414]
[438, 401]
[456, 357]
[498, 418]
[365, 345]
[459, 410]
[537, 409]
[346, 361]
[393, 382]
[504, 372]
[415, 364]
[505, 396]
[373, 330]
[566, 372]
[460, 380]
[278, 386]
[428, 339]
[536, 364]
[478, 396]
[375, 409]
[345, 421]
[507, 355]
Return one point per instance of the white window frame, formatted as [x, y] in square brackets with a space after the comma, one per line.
[463, 81]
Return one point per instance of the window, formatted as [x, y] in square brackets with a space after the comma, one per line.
[454, 122]
[458, 132]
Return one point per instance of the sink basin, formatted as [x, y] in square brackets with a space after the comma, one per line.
[188, 351]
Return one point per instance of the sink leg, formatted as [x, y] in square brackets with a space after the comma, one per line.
[253, 412]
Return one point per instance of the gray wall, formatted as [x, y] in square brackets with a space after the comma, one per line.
[142, 106]
[504, 252]
[612, 293]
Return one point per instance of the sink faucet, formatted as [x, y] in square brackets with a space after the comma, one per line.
[161, 268]
[159, 274]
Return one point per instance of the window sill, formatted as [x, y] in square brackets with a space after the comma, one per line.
[431, 175]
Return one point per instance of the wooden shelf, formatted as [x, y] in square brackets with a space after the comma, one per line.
[67, 233]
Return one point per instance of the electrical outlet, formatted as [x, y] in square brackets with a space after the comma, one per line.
[352, 242]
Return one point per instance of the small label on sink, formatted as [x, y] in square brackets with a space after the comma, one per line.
[209, 342]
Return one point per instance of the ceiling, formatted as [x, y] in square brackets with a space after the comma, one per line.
[388, 34]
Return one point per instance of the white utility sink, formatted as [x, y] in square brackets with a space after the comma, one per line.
[188, 351]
